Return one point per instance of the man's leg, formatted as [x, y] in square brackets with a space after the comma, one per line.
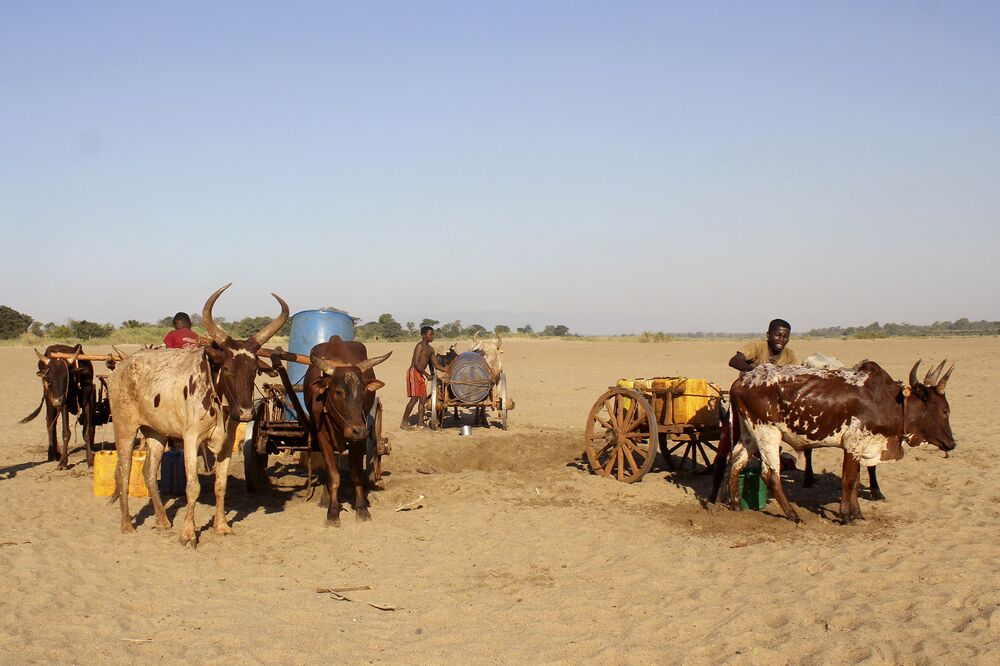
[405, 424]
[422, 412]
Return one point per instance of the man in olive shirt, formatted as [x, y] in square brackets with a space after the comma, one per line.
[774, 349]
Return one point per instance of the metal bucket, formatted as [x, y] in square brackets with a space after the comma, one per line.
[310, 328]
[470, 379]
[465, 431]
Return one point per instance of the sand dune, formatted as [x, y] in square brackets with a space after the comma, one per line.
[519, 554]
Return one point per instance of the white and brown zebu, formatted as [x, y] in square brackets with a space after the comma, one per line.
[198, 396]
[862, 411]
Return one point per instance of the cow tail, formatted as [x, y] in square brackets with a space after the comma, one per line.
[35, 413]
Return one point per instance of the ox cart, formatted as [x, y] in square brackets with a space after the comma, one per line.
[632, 420]
[280, 425]
[468, 383]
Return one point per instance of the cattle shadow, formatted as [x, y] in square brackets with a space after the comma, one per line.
[11, 471]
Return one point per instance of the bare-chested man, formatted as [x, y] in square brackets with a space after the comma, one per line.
[417, 376]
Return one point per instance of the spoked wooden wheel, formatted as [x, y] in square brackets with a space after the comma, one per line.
[502, 388]
[692, 449]
[621, 435]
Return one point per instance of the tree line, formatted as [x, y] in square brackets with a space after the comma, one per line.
[14, 324]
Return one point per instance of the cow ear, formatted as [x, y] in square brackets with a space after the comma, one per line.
[40, 373]
[374, 385]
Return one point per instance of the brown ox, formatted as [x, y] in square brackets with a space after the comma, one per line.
[339, 389]
[67, 388]
[862, 411]
[198, 396]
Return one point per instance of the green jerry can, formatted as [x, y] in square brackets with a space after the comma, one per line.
[753, 490]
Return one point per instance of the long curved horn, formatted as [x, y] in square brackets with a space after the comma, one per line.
[944, 380]
[370, 363]
[266, 333]
[76, 356]
[120, 352]
[475, 338]
[42, 357]
[499, 339]
[327, 366]
[932, 376]
[213, 329]
[913, 374]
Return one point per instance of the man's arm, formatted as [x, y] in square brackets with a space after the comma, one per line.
[437, 364]
[740, 362]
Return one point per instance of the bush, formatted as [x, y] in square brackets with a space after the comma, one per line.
[12, 323]
[649, 336]
[84, 330]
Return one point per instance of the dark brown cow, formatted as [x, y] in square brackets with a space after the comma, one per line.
[197, 396]
[67, 388]
[339, 389]
[863, 411]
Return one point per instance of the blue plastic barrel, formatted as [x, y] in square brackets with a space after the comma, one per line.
[309, 328]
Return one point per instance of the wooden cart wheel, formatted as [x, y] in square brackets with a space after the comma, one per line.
[621, 435]
[255, 454]
[433, 421]
[502, 388]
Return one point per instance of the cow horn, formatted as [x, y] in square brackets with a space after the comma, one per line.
[370, 363]
[266, 333]
[213, 329]
[76, 356]
[944, 380]
[932, 376]
[327, 366]
[475, 337]
[120, 352]
[42, 357]
[499, 339]
[913, 374]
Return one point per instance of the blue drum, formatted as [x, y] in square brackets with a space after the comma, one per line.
[309, 328]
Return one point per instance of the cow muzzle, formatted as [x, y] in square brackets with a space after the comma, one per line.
[356, 433]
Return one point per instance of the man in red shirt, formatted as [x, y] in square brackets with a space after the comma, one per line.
[182, 337]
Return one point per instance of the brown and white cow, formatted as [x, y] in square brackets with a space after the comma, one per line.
[198, 396]
[862, 411]
[67, 388]
[491, 351]
[339, 389]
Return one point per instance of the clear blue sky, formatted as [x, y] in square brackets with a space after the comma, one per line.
[695, 166]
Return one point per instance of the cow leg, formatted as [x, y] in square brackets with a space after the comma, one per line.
[807, 480]
[356, 452]
[155, 443]
[332, 485]
[769, 441]
[222, 478]
[90, 426]
[873, 484]
[124, 442]
[64, 454]
[851, 471]
[189, 534]
[738, 459]
[51, 421]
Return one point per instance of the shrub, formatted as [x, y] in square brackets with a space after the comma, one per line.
[12, 323]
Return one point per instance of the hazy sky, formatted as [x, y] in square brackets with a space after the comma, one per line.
[695, 166]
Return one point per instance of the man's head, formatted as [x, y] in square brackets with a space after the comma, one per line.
[427, 333]
[181, 320]
[777, 335]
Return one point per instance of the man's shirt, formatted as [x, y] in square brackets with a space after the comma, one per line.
[758, 353]
[182, 338]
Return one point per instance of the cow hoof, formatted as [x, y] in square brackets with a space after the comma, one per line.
[223, 529]
[845, 520]
[878, 496]
[794, 517]
[163, 526]
[188, 536]
[128, 527]
[333, 522]
[362, 514]
[62, 465]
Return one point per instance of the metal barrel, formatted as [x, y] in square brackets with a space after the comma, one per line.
[309, 328]
[470, 379]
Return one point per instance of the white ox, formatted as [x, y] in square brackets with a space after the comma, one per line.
[491, 351]
[198, 396]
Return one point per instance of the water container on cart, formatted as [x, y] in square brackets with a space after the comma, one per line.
[309, 328]
[470, 378]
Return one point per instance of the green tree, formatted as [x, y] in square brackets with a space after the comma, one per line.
[133, 323]
[85, 330]
[429, 322]
[452, 330]
[526, 329]
[555, 330]
[12, 323]
[37, 329]
[502, 329]
[472, 330]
